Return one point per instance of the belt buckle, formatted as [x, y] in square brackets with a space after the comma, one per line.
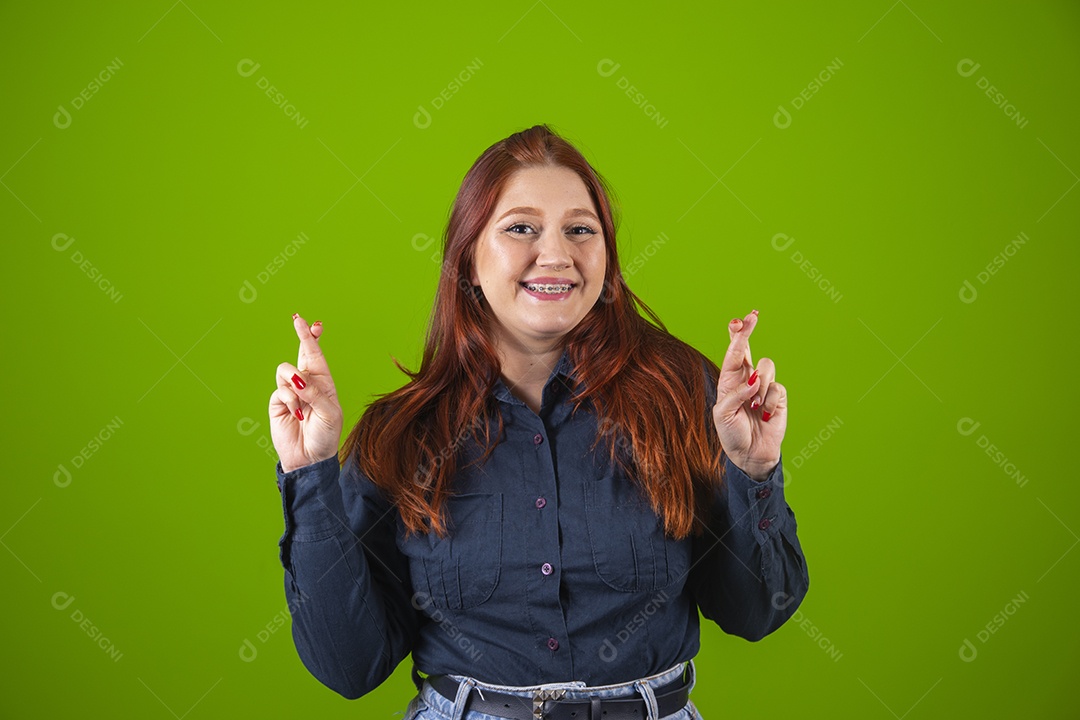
[541, 696]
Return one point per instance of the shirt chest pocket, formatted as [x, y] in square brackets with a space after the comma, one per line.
[461, 570]
[630, 551]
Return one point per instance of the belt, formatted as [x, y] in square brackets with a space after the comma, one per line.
[550, 705]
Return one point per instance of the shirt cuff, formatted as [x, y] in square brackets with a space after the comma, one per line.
[758, 504]
[311, 499]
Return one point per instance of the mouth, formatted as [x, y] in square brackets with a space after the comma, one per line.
[548, 288]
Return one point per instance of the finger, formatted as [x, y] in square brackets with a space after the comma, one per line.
[284, 401]
[298, 382]
[732, 399]
[316, 332]
[775, 402]
[734, 327]
[766, 371]
[310, 355]
[738, 356]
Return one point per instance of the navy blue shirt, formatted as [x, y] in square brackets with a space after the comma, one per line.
[556, 569]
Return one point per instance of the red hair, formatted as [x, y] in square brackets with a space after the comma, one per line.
[646, 386]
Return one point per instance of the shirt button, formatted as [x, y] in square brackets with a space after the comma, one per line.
[764, 492]
[553, 644]
[546, 568]
[764, 524]
[537, 439]
[540, 502]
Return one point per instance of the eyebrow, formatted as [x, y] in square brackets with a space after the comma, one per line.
[575, 212]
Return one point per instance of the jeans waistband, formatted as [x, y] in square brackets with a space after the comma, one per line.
[644, 688]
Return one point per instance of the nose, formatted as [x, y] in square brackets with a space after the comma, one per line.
[553, 250]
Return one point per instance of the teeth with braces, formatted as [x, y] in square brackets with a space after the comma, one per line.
[549, 289]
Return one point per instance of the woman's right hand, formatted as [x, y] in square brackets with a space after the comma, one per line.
[305, 422]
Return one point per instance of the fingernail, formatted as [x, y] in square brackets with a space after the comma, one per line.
[733, 321]
[295, 315]
[748, 382]
[765, 416]
[318, 322]
[298, 382]
[754, 312]
[754, 405]
[299, 414]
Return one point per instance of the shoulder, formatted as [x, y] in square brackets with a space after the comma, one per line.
[678, 357]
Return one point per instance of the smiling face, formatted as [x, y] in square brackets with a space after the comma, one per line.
[543, 236]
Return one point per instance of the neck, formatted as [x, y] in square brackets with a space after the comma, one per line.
[526, 368]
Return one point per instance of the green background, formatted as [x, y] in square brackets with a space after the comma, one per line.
[899, 180]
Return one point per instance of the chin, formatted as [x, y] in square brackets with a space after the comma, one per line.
[553, 329]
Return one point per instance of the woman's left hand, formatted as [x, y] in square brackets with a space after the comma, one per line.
[750, 418]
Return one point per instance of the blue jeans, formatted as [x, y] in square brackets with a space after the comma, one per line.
[430, 705]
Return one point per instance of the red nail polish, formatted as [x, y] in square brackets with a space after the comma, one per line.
[295, 315]
[299, 414]
[298, 382]
[748, 382]
[765, 416]
[754, 405]
[317, 322]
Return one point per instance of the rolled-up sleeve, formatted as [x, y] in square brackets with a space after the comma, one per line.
[346, 583]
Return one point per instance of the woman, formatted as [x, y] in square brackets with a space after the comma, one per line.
[538, 515]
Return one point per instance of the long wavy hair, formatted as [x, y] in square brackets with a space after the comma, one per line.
[646, 386]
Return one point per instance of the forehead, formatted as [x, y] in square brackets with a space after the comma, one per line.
[548, 185]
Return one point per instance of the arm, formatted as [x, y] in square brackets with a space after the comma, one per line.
[749, 573]
[347, 585]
